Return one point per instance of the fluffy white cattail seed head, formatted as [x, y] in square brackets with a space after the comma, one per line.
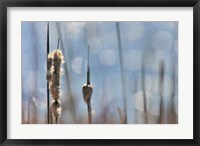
[58, 59]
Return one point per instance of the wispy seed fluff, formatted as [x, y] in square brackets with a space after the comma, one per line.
[56, 110]
[49, 68]
[54, 71]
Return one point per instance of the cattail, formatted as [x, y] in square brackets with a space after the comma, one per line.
[54, 71]
[55, 89]
[87, 92]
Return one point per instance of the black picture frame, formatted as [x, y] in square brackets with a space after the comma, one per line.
[4, 4]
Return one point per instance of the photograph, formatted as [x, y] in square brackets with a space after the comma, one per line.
[99, 72]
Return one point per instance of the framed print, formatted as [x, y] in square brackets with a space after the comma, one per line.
[94, 72]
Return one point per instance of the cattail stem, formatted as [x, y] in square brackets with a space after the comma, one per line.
[161, 78]
[35, 113]
[58, 44]
[88, 68]
[89, 112]
[120, 116]
[121, 70]
[172, 113]
[56, 118]
[144, 93]
[51, 116]
[28, 112]
[47, 81]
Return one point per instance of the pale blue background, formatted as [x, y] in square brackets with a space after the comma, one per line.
[141, 41]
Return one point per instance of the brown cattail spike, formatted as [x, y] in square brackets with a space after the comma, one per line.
[87, 92]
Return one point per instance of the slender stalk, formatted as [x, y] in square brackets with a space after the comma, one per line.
[144, 93]
[120, 115]
[89, 113]
[56, 120]
[160, 120]
[56, 117]
[51, 116]
[47, 81]
[22, 119]
[68, 79]
[88, 69]
[35, 113]
[58, 44]
[28, 112]
[121, 70]
[172, 113]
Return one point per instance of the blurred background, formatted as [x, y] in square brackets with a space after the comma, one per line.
[133, 71]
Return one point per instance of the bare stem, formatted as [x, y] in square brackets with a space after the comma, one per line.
[56, 119]
[35, 113]
[172, 113]
[47, 81]
[89, 112]
[50, 116]
[121, 70]
[28, 112]
[160, 120]
[122, 120]
[144, 93]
